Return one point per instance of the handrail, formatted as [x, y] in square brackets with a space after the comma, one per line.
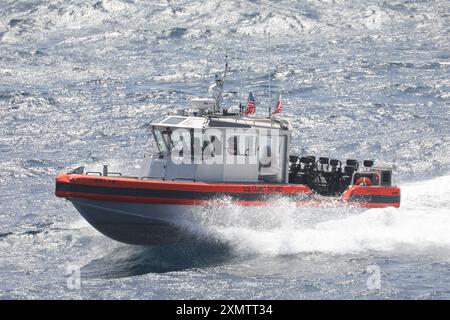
[77, 170]
[94, 172]
[161, 178]
[186, 179]
[152, 177]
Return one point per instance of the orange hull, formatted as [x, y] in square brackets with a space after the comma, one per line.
[201, 193]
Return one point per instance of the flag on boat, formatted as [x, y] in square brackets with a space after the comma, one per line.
[278, 106]
[251, 105]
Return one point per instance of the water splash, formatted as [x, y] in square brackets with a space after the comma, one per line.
[421, 224]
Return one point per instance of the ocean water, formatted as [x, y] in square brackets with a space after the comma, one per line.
[80, 81]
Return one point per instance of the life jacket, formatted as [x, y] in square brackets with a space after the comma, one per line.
[363, 181]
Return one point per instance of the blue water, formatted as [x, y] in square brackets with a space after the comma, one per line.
[81, 79]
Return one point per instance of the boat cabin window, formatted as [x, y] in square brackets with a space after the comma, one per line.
[212, 147]
[250, 146]
[386, 178]
[272, 158]
[167, 140]
[234, 146]
[160, 141]
[215, 141]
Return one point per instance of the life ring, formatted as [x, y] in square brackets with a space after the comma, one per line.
[363, 181]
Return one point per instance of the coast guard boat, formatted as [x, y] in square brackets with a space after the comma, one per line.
[205, 154]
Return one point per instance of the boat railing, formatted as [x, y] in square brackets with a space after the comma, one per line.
[106, 173]
[115, 174]
[152, 178]
[162, 178]
[183, 179]
[77, 170]
[97, 173]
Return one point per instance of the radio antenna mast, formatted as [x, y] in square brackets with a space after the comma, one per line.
[270, 93]
[222, 82]
[217, 87]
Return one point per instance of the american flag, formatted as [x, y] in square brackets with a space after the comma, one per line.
[251, 105]
[279, 106]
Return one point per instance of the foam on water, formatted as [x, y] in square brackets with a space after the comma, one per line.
[421, 224]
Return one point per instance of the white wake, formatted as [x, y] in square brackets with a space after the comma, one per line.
[422, 224]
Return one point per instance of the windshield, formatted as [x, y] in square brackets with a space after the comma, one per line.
[162, 146]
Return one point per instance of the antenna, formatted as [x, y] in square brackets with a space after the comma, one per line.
[270, 93]
[241, 88]
[217, 87]
[245, 79]
[223, 81]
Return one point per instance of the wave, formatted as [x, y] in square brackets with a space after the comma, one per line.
[233, 234]
[422, 224]
[218, 17]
